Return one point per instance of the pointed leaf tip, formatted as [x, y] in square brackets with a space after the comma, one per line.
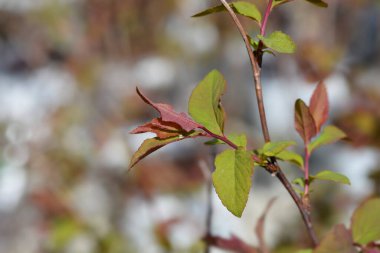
[329, 135]
[204, 103]
[319, 105]
[232, 179]
[148, 147]
[304, 122]
[332, 176]
[168, 114]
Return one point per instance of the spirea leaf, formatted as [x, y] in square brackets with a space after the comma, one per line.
[319, 105]
[331, 176]
[365, 223]
[168, 114]
[232, 179]
[329, 134]
[304, 121]
[204, 104]
[279, 41]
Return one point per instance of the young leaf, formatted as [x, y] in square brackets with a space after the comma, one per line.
[332, 176]
[319, 3]
[299, 181]
[204, 103]
[290, 156]
[168, 114]
[232, 179]
[330, 134]
[365, 223]
[338, 240]
[240, 7]
[304, 122]
[319, 105]
[151, 145]
[161, 128]
[273, 148]
[279, 41]
[239, 140]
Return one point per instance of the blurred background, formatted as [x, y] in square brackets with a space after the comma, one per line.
[68, 72]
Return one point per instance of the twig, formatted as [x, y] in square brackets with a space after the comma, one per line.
[255, 69]
[273, 168]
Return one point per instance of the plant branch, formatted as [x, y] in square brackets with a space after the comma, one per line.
[266, 16]
[303, 210]
[306, 169]
[256, 69]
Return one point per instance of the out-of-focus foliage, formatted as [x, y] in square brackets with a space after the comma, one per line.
[68, 72]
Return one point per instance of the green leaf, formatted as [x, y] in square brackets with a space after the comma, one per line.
[204, 103]
[239, 140]
[232, 179]
[290, 156]
[273, 148]
[279, 41]
[329, 134]
[299, 181]
[338, 240]
[365, 223]
[254, 43]
[319, 3]
[329, 175]
[240, 7]
[304, 122]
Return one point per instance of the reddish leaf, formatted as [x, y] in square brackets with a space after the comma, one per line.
[161, 128]
[168, 114]
[319, 105]
[304, 122]
[260, 227]
[151, 145]
[234, 243]
[337, 240]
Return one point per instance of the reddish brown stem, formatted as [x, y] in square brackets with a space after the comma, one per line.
[273, 167]
[266, 16]
[306, 169]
